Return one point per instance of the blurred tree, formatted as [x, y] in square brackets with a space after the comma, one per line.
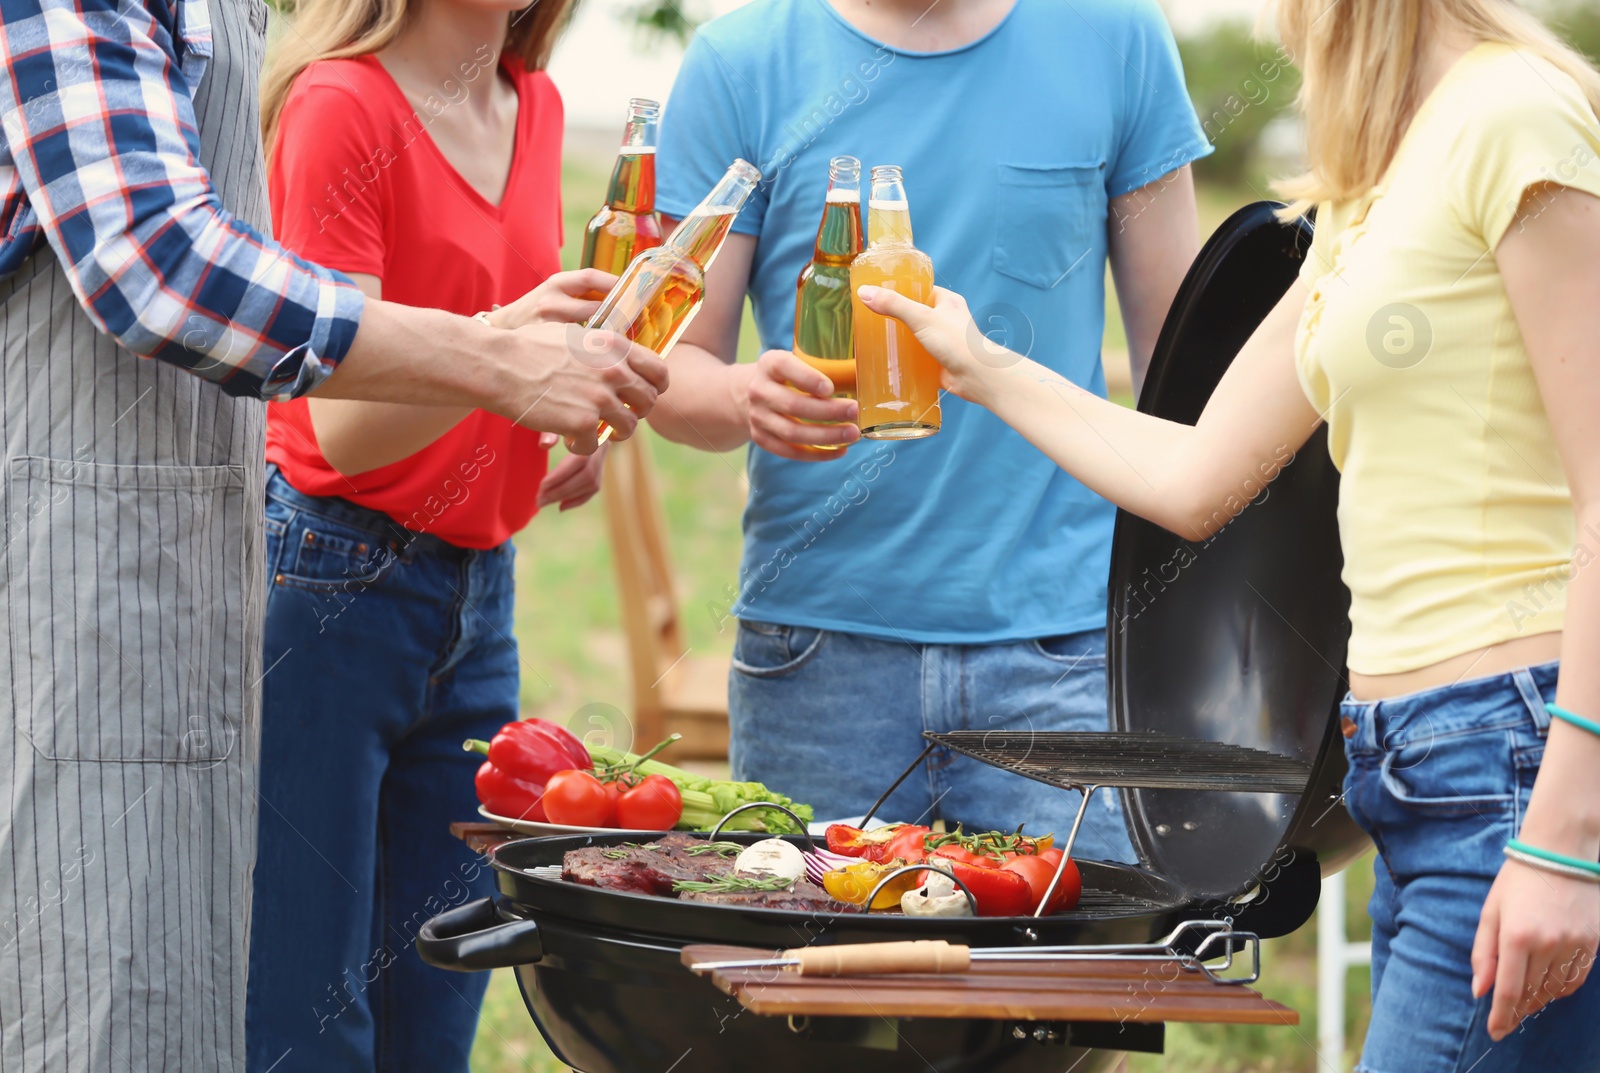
[658, 19]
[1579, 22]
[1238, 85]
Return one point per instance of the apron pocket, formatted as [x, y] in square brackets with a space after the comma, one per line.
[126, 597]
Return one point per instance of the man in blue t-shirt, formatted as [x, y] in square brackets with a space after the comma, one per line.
[958, 581]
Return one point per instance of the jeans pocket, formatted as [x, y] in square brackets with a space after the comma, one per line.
[1462, 775]
[1085, 650]
[130, 650]
[769, 650]
[1050, 218]
[319, 555]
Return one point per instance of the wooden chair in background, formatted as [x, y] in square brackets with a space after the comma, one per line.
[674, 690]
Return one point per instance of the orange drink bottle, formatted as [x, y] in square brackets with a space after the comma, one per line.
[822, 314]
[628, 224]
[662, 289]
[897, 380]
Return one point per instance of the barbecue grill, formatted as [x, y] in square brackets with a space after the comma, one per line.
[1226, 668]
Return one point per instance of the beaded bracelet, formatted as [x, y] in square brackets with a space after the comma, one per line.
[1578, 721]
[1560, 863]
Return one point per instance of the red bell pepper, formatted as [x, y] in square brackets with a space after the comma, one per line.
[521, 758]
[999, 893]
[902, 840]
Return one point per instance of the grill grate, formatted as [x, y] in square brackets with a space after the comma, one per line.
[1146, 760]
[1093, 903]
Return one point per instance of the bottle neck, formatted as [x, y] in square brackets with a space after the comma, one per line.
[633, 181]
[839, 234]
[889, 222]
[702, 232]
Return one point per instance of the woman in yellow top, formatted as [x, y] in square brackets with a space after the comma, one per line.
[1447, 330]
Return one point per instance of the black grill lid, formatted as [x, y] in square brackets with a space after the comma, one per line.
[1238, 641]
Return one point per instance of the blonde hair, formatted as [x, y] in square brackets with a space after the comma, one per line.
[1362, 79]
[343, 29]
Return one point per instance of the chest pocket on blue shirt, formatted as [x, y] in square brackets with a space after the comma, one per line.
[1050, 217]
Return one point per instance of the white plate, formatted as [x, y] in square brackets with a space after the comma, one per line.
[546, 830]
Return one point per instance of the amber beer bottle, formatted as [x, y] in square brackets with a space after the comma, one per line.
[661, 291]
[628, 224]
[822, 317]
[897, 380]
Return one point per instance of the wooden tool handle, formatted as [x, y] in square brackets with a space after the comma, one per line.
[922, 955]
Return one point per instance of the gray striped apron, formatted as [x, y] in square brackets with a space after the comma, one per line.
[130, 663]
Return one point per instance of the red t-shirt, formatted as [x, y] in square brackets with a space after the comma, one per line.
[358, 185]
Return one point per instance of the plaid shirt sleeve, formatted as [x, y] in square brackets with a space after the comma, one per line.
[100, 159]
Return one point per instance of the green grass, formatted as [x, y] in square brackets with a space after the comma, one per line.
[574, 659]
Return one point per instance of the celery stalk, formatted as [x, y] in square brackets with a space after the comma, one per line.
[705, 800]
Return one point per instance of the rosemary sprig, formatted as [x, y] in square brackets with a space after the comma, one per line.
[721, 849]
[621, 850]
[733, 884]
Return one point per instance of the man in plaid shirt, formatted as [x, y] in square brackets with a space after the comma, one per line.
[132, 217]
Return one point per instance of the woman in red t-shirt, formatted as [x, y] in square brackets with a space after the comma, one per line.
[416, 147]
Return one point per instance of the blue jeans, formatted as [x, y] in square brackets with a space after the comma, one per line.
[1441, 780]
[832, 719]
[384, 651]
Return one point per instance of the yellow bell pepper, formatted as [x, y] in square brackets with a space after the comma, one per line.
[854, 882]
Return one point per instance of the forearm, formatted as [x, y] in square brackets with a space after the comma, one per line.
[1191, 480]
[1134, 460]
[358, 436]
[426, 356]
[1564, 814]
[708, 405]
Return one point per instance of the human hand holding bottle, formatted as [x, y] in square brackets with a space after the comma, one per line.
[946, 329]
[564, 298]
[793, 414]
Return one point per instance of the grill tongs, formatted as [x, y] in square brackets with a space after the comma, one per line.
[1212, 955]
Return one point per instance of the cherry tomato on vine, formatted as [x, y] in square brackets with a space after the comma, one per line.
[1039, 870]
[655, 804]
[578, 799]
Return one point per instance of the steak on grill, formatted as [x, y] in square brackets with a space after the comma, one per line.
[648, 869]
[656, 868]
[804, 897]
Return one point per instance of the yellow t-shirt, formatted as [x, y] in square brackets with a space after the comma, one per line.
[1454, 511]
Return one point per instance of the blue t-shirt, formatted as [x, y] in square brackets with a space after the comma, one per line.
[1011, 147]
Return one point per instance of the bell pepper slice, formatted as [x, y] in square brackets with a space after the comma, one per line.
[999, 893]
[853, 883]
[879, 843]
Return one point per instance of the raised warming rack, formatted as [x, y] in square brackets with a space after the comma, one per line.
[1089, 760]
[1150, 761]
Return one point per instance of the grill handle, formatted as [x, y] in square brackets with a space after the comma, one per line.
[473, 937]
[917, 956]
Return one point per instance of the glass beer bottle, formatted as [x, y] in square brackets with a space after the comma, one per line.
[897, 380]
[661, 290]
[628, 224]
[822, 317]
